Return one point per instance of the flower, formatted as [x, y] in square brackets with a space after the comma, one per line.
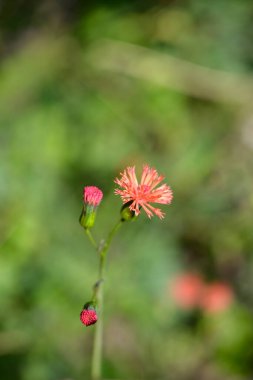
[189, 291]
[186, 290]
[88, 315]
[216, 297]
[92, 195]
[141, 195]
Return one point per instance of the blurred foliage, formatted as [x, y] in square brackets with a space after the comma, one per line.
[65, 123]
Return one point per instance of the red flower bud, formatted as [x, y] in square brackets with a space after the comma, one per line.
[88, 315]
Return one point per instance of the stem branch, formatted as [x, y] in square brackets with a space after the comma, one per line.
[91, 238]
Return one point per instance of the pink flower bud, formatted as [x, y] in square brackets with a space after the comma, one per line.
[92, 195]
[88, 315]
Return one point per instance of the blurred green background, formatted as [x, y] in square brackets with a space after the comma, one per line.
[87, 88]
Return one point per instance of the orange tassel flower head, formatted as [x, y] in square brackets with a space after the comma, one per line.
[140, 195]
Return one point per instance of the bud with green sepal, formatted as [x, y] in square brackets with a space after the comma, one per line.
[92, 197]
[127, 214]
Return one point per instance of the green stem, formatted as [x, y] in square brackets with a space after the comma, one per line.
[96, 363]
[91, 238]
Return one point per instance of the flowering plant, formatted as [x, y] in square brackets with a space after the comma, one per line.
[135, 196]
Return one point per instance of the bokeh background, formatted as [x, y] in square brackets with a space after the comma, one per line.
[87, 88]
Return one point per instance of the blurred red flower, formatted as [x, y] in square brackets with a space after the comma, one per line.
[189, 291]
[186, 290]
[216, 297]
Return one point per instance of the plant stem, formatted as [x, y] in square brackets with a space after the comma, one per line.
[96, 363]
[91, 238]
